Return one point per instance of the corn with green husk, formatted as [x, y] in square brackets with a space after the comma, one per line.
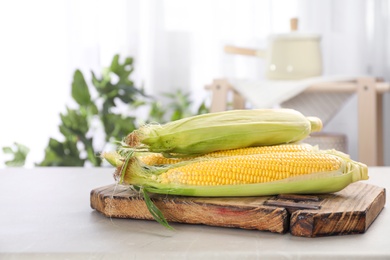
[225, 130]
[303, 172]
[299, 171]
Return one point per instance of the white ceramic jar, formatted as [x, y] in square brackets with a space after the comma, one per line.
[293, 56]
[290, 56]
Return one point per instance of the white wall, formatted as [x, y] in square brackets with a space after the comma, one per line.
[176, 44]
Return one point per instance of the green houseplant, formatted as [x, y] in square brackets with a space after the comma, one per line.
[77, 124]
[97, 106]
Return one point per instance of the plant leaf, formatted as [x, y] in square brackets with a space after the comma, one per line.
[91, 154]
[117, 126]
[62, 153]
[19, 152]
[80, 91]
[202, 109]
[8, 150]
[75, 122]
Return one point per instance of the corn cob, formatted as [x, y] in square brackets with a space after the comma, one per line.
[257, 168]
[159, 159]
[226, 130]
[248, 175]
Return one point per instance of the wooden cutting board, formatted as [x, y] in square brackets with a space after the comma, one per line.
[349, 211]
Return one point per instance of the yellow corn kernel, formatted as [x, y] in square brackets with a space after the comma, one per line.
[256, 168]
[159, 159]
[284, 148]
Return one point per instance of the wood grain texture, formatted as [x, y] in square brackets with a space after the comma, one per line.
[245, 213]
[349, 211]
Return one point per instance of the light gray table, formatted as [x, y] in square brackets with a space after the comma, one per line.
[45, 213]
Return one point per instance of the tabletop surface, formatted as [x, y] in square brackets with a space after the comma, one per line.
[45, 214]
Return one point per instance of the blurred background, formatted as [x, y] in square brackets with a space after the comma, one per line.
[176, 46]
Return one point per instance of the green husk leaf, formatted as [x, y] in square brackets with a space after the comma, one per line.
[124, 167]
[324, 182]
[112, 158]
[224, 130]
[156, 213]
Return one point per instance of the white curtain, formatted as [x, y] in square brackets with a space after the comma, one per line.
[176, 44]
[378, 57]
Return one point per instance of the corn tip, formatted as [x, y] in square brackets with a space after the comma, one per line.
[315, 124]
[359, 172]
[112, 158]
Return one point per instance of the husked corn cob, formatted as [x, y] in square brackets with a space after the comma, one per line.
[225, 130]
[254, 168]
[247, 175]
[159, 159]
